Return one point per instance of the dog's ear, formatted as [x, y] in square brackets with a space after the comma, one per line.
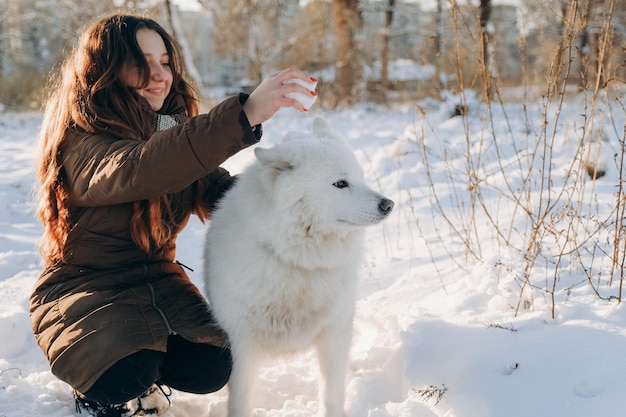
[274, 158]
[321, 128]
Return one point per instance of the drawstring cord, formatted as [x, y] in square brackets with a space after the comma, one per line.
[183, 265]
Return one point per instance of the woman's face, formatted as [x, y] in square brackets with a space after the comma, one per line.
[160, 82]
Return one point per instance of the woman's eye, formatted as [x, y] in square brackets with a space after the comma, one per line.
[341, 184]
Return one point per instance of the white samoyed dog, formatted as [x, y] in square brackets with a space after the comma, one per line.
[281, 260]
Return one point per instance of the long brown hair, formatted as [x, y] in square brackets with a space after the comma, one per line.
[89, 95]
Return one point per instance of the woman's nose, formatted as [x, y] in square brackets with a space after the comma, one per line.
[157, 72]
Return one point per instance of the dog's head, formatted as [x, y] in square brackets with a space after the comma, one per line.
[314, 175]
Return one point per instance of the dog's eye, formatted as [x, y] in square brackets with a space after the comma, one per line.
[341, 184]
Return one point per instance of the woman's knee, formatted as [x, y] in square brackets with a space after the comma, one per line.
[195, 367]
[218, 374]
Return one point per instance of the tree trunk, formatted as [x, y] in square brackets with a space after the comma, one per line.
[384, 59]
[485, 14]
[439, 49]
[345, 26]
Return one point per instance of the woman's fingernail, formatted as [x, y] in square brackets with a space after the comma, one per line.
[313, 93]
[314, 79]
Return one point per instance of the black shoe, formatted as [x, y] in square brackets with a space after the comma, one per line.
[97, 409]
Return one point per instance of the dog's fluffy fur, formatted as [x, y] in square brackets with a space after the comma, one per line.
[281, 260]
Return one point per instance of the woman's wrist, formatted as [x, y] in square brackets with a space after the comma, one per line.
[243, 99]
[257, 128]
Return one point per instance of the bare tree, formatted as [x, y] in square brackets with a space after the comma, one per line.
[312, 48]
[33, 37]
[439, 47]
[254, 31]
[175, 26]
[346, 24]
[597, 43]
[573, 24]
[484, 15]
[385, 36]
[486, 29]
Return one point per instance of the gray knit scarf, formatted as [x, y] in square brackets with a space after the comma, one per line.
[166, 121]
[171, 114]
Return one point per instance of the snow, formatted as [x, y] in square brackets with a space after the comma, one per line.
[431, 317]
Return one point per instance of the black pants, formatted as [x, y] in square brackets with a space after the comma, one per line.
[186, 366]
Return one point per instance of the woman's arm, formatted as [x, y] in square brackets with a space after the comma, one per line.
[101, 170]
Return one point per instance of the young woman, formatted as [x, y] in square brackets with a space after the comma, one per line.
[124, 159]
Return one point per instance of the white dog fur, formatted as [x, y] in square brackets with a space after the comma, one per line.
[282, 256]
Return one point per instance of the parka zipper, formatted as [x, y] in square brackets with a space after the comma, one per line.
[157, 308]
[153, 296]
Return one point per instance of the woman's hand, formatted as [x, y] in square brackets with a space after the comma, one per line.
[269, 96]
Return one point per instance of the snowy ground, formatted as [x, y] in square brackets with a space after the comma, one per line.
[428, 315]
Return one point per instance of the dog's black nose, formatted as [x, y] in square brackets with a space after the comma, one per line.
[385, 206]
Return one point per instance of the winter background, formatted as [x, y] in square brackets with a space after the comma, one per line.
[436, 331]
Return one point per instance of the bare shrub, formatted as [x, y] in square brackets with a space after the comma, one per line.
[539, 226]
